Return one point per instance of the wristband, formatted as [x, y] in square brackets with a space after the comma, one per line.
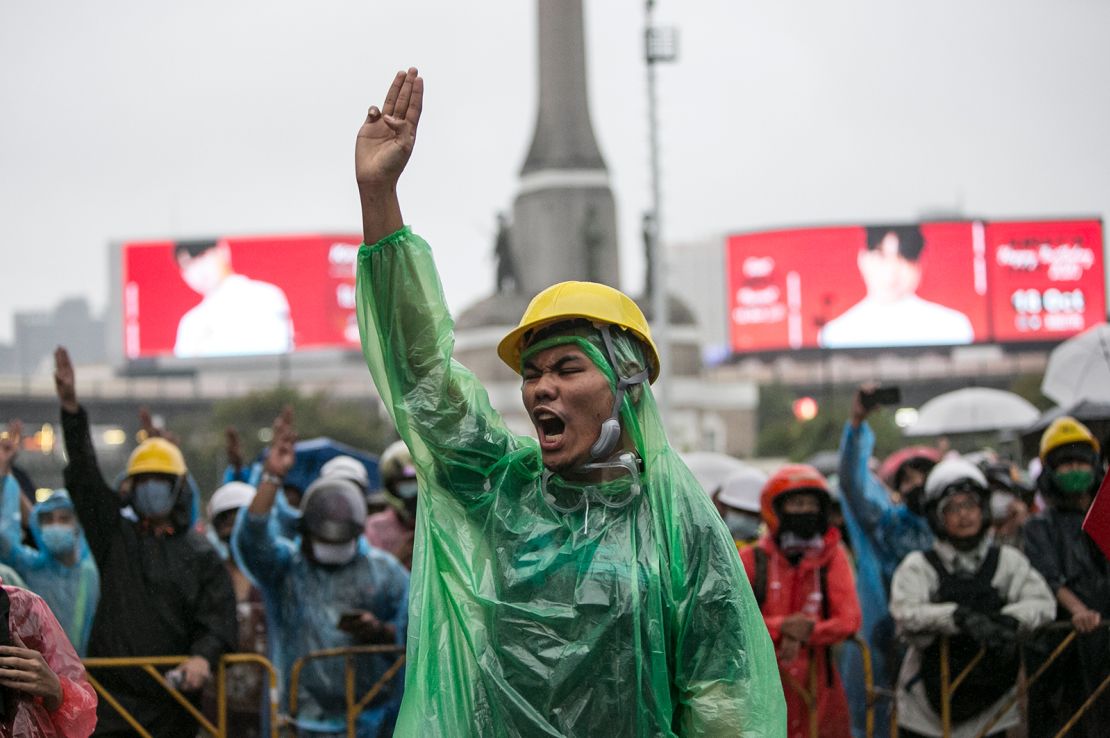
[268, 478]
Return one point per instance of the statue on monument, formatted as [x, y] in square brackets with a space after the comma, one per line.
[508, 280]
[593, 245]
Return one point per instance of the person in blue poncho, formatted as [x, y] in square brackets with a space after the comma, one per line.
[60, 567]
[326, 589]
[883, 532]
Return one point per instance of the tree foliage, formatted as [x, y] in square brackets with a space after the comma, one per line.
[783, 435]
[359, 423]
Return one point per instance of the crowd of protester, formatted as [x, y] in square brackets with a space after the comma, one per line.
[578, 584]
[900, 553]
[931, 547]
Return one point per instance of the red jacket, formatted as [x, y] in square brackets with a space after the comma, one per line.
[31, 620]
[793, 589]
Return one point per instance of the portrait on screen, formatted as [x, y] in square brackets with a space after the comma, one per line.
[892, 313]
[239, 296]
[237, 315]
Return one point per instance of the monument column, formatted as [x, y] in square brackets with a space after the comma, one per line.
[564, 218]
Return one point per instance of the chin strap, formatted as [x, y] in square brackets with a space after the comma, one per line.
[610, 433]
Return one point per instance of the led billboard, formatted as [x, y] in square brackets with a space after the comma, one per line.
[929, 284]
[1046, 279]
[239, 296]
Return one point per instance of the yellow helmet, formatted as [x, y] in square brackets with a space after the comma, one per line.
[156, 456]
[588, 300]
[1063, 431]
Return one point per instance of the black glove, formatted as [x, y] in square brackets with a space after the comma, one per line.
[1007, 625]
[991, 631]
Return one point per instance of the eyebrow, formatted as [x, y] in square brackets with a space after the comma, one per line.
[559, 363]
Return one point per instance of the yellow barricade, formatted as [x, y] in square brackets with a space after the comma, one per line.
[149, 664]
[354, 706]
[949, 685]
[809, 692]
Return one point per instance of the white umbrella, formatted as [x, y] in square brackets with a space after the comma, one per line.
[712, 469]
[973, 410]
[1079, 368]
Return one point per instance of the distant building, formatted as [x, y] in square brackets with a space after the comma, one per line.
[37, 333]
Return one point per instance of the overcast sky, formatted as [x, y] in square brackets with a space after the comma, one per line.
[123, 119]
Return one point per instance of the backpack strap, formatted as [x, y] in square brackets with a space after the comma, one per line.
[934, 561]
[759, 585]
[990, 564]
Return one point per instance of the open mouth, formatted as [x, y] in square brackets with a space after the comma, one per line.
[550, 427]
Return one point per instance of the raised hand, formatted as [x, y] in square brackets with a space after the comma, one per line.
[388, 134]
[64, 380]
[9, 446]
[234, 448]
[282, 454]
[150, 430]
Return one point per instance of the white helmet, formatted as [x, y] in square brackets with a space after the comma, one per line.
[948, 477]
[741, 490]
[230, 496]
[949, 473]
[346, 467]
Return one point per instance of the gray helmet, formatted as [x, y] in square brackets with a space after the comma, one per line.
[333, 510]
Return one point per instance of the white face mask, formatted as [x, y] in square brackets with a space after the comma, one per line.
[407, 489]
[1000, 505]
[334, 553]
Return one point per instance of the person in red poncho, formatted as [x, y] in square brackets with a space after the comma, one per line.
[45, 692]
[805, 588]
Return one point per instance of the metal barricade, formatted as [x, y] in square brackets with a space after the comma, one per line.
[221, 689]
[810, 692]
[949, 684]
[149, 665]
[354, 706]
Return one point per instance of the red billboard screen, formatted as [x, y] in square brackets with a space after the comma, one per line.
[1046, 279]
[932, 284]
[239, 296]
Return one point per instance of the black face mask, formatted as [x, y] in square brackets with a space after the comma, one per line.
[913, 498]
[803, 525]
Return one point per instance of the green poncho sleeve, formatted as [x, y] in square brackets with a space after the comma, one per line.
[624, 614]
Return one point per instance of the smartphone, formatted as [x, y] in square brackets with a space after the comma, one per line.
[881, 396]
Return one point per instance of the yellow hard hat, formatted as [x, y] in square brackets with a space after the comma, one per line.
[587, 300]
[1063, 431]
[156, 456]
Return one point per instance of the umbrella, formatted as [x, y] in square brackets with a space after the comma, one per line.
[311, 454]
[712, 469]
[973, 410]
[1079, 368]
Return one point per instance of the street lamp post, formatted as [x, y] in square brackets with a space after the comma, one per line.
[660, 45]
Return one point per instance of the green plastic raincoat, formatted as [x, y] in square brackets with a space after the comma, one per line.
[540, 607]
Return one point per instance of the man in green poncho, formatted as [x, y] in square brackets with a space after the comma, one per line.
[579, 586]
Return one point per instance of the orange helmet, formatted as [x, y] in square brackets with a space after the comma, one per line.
[791, 478]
